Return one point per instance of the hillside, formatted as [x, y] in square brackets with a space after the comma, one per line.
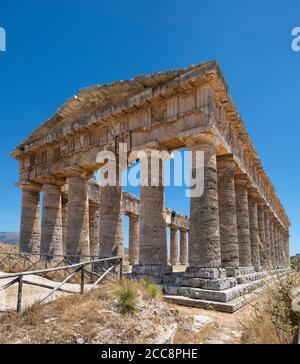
[9, 237]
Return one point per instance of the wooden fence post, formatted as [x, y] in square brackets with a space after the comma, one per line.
[20, 291]
[121, 269]
[82, 280]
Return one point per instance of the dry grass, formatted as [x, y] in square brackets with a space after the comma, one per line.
[273, 321]
[93, 318]
[9, 248]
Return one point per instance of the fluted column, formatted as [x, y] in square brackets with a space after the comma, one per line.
[273, 244]
[133, 239]
[183, 247]
[287, 249]
[268, 256]
[174, 245]
[253, 220]
[264, 252]
[153, 236]
[64, 213]
[280, 253]
[78, 217]
[94, 228]
[243, 228]
[227, 212]
[52, 233]
[30, 219]
[204, 244]
[111, 222]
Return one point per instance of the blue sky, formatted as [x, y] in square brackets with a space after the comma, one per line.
[56, 47]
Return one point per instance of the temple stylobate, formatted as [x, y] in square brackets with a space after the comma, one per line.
[238, 228]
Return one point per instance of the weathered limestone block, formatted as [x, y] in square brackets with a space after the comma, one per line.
[174, 245]
[52, 234]
[227, 212]
[253, 220]
[183, 247]
[243, 228]
[206, 273]
[111, 223]
[204, 244]
[30, 220]
[219, 284]
[133, 239]
[78, 218]
[94, 228]
[153, 237]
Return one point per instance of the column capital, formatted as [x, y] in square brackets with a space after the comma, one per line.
[261, 203]
[253, 192]
[203, 138]
[131, 214]
[77, 171]
[51, 180]
[29, 186]
[241, 179]
[226, 161]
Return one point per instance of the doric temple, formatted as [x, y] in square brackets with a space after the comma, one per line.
[237, 228]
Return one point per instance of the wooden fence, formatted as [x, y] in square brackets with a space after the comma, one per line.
[90, 272]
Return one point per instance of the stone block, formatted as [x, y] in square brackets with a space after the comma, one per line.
[206, 273]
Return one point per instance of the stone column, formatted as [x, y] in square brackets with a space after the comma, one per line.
[279, 249]
[227, 213]
[183, 247]
[262, 231]
[94, 228]
[243, 228]
[174, 245]
[111, 222]
[51, 236]
[153, 252]
[133, 239]
[273, 243]
[204, 244]
[287, 249]
[268, 261]
[253, 220]
[30, 219]
[64, 213]
[78, 218]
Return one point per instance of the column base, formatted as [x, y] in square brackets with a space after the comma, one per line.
[206, 273]
[155, 273]
[239, 271]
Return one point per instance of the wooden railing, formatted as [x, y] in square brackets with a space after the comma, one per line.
[90, 272]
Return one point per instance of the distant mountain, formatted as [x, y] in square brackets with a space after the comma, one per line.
[9, 237]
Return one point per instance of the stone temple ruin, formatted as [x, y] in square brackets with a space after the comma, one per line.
[238, 230]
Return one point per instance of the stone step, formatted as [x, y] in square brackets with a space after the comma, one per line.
[218, 284]
[226, 296]
[251, 277]
[259, 275]
[210, 295]
[228, 307]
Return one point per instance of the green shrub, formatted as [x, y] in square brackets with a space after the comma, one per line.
[127, 298]
[151, 287]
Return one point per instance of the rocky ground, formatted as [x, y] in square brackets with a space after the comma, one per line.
[96, 318]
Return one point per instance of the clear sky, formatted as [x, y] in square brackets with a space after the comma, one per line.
[56, 47]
